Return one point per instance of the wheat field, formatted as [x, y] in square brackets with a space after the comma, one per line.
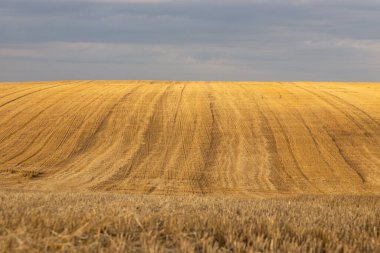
[244, 138]
[164, 166]
[35, 221]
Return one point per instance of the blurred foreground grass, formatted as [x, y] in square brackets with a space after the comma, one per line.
[101, 222]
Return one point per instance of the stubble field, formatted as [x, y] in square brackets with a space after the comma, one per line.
[192, 166]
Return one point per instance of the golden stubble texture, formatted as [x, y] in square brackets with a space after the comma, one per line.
[37, 221]
[207, 138]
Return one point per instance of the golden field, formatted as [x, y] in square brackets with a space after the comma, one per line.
[206, 138]
[111, 222]
[189, 166]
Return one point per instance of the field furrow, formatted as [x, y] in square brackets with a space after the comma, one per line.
[207, 138]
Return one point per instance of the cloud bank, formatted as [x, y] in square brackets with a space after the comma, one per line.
[190, 40]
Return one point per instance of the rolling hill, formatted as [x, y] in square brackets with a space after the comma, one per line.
[214, 138]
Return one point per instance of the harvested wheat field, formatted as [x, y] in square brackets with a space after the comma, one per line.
[99, 222]
[205, 138]
[161, 166]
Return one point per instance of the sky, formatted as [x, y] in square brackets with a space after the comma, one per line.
[240, 40]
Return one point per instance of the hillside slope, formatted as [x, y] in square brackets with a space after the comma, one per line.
[191, 137]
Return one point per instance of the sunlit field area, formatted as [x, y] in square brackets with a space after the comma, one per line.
[164, 166]
[99, 222]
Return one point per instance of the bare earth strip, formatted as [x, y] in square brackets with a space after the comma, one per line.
[244, 138]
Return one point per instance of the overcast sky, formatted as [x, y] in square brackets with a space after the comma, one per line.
[263, 40]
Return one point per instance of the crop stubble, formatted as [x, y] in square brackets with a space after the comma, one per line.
[216, 138]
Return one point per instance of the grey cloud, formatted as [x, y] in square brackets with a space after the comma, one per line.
[233, 40]
[179, 22]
